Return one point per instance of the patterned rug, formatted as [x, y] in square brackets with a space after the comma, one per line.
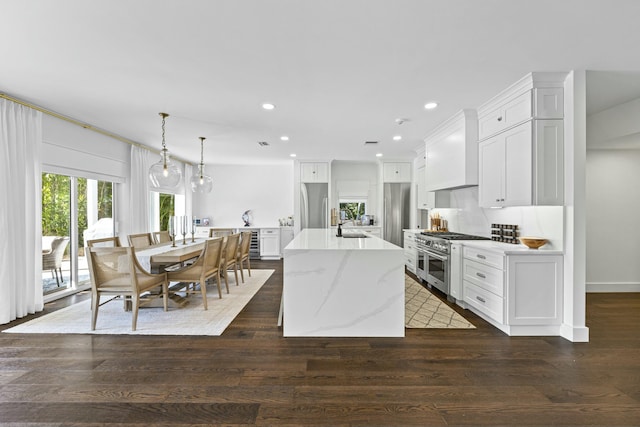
[425, 310]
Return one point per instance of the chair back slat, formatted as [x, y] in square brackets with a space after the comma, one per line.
[105, 242]
[161, 237]
[141, 240]
[232, 247]
[212, 253]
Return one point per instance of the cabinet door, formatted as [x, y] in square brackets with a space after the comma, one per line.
[549, 162]
[509, 114]
[548, 103]
[518, 173]
[270, 245]
[535, 290]
[421, 201]
[492, 161]
[396, 172]
[314, 172]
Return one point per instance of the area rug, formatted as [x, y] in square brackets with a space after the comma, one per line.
[189, 320]
[425, 310]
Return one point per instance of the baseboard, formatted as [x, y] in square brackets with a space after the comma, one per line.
[596, 287]
[574, 334]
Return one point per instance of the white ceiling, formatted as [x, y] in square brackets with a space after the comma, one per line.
[339, 71]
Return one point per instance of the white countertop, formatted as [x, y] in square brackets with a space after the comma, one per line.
[326, 239]
[507, 248]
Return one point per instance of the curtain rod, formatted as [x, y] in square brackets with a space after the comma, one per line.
[85, 125]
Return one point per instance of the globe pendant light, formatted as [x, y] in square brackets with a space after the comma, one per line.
[201, 183]
[164, 174]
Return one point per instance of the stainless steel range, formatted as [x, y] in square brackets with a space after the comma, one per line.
[433, 257]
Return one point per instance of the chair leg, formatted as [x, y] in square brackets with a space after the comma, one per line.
[241, 271]
[226, 280]
[249, 266]
[203, 289]
[218, 283]
[134, 310]
[235, 272]
[95, 303]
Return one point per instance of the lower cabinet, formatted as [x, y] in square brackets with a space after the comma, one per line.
[519, 294]
[410, 251]
[270, 243]
[455, 271]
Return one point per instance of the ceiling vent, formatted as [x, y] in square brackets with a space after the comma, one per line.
[263, 143]
[370, 142]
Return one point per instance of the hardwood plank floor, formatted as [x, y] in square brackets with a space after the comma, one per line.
[251, 375]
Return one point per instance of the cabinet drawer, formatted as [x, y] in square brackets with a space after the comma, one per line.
[484, 301]
[409, 237]
[485, 276]
[485, 257]
[509, 114]
[269, 231]
[409, 246]
[410, 262]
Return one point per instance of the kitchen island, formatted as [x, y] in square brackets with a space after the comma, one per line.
[342, 287]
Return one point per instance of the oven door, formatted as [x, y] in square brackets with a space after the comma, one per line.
[421, 265]
[437, 270]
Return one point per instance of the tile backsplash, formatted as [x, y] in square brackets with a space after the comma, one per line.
[464, 216]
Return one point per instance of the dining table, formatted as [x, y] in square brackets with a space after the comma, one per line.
[164, 256]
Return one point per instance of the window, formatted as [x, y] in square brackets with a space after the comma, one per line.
[164, 205]
[74, 210]
[352, 209]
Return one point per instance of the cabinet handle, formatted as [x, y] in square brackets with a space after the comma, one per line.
[482, 276]
[497, 200]
[480, 299]
[500, 118]
[481, 256]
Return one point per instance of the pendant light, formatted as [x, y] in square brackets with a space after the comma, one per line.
[164, 174]
[201, 183]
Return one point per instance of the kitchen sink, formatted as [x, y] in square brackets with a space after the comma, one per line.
[354, 235]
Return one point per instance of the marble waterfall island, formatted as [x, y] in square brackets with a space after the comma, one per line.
[342, 287]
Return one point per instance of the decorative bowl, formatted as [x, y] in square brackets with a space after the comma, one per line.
[533, 242]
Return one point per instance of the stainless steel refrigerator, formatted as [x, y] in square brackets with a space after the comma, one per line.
[314, 209]
[396, 211]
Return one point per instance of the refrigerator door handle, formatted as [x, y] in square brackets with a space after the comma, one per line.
[304, 210]
[324, 213]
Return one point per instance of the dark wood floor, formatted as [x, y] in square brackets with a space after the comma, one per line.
[253, 376]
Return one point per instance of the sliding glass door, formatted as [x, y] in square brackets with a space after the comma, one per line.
[74, 210]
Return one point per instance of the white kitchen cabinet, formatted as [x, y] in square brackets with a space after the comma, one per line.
[314, 172]
[286, 236]
[452, 153]
[270, 243]
[455, 271]
[410, 251]
[521, 294]
[523, 166]
[505, 116]
[534, 290]
[396, 172]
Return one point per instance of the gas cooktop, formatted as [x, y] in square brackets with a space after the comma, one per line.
[448, 235]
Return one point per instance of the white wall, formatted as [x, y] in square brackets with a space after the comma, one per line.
[613, 219]
[465, 216]
[266, 190]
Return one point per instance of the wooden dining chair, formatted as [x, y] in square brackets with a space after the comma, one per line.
[161, 237]
[105, 242]
[230, 258]
[141, 240]
[206, 266]
[115, 271]
[243, 253]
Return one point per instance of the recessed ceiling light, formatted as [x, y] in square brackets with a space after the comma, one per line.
[284, 138]
[268, 106]
[397, 138]
[430, 105]
[378, 154]
[292, 155]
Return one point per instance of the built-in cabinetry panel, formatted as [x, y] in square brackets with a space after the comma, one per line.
[396, 172]
[429, 199]
[314, 172]
[521, 144]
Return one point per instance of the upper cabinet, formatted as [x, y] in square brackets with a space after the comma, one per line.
[314, 172]
[396, 172]
[452, 153]
[522, 143]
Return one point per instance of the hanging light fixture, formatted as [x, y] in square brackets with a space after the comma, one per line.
[164, 174]
[201, 183]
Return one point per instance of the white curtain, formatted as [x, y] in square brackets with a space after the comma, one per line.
[141, 161]
[20, 211]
